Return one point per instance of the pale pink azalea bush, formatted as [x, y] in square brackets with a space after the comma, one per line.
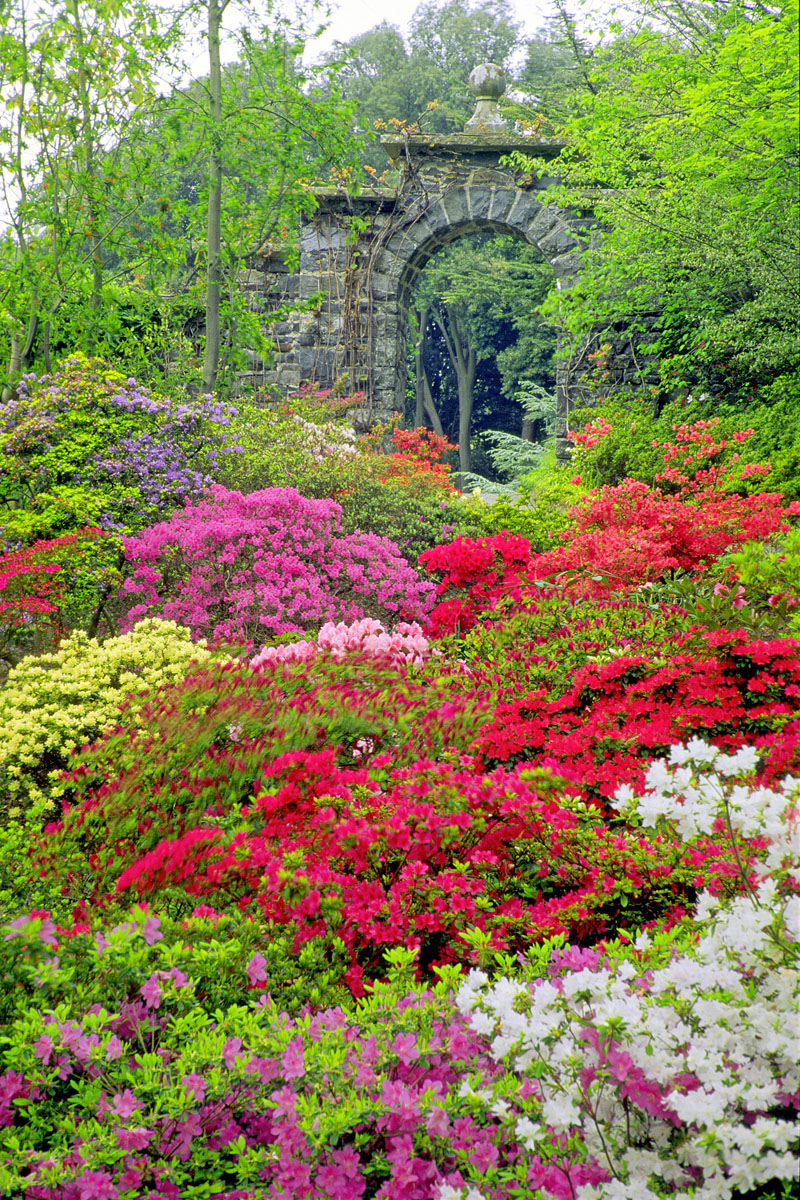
[249, 567]
[405, 645]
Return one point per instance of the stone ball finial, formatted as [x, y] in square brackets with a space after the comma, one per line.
[487, 83]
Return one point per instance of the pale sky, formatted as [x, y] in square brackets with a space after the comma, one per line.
[349, 18]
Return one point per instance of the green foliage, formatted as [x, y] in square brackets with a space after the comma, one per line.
[687, 151]
[72, 74]
[539, 511]
[297, 447]
[107, 960]
[22, 885]
[423, 78]
[52, 704]
[634, 445]
[769, 573]
[546, 645]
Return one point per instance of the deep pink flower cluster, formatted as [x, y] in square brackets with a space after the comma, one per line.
[271, 562]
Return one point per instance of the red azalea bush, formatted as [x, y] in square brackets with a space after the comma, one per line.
[45, 585]
[722, 686]
[621, 537]
[346, 799]
[632, 534]
[415, 460]
[481, 571]
[424, 855]
[271, 562]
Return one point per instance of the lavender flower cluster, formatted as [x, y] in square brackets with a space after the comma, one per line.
[86, 438]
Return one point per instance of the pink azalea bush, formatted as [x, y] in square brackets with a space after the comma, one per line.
[406, 644]
[268, 563]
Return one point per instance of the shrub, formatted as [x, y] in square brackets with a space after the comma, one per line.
[719, 685]
[50, 586]
[54, 703]
[288, 446]
[393, 496]
[667, 1062]
[407, 644]
[272, 562]
[622, 438]
[631, 534]
[196, 752]
[684, 1076]
[341, 797]
[768, 572]
[88, 447]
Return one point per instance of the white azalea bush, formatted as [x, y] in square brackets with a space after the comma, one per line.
[632, 1078]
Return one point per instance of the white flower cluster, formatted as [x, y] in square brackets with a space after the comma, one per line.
[697, 791]
[328, 440]
[672, 1077]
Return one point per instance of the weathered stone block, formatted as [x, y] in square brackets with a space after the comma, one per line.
[542, 224]
[502, 201]
[563, 451]
[567, 264]
[559, 241]
[479, 200]
[454, 206]
[325, 237]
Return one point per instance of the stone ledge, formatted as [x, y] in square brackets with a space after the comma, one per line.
[467, 145]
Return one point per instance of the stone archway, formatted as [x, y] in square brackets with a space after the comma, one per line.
[474, 206]
[359, 257]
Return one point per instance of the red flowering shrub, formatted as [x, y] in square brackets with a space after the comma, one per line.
[422, 856]
[342, 800]
[482, 569]
[621, 537]
[632, 534]
[415, 460]
[721, 686]
[43, 585]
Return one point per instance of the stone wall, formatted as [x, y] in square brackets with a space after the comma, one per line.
[360, 256]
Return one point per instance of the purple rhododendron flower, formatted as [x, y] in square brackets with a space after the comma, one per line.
[151, 992]
[292, 1060]
[124, 1104]
[43, 1048]
[195, 1084]
[232, 1048]
[151, 931]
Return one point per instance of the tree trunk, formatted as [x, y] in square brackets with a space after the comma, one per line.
[421, 379]
[430, 407]
[214, 248]
[465, 373]
[93, 232]
[425, 402]
[465, 364]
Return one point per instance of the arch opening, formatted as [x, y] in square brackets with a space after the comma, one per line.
[478, 362]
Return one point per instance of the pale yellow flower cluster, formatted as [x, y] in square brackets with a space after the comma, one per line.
[52, 704]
